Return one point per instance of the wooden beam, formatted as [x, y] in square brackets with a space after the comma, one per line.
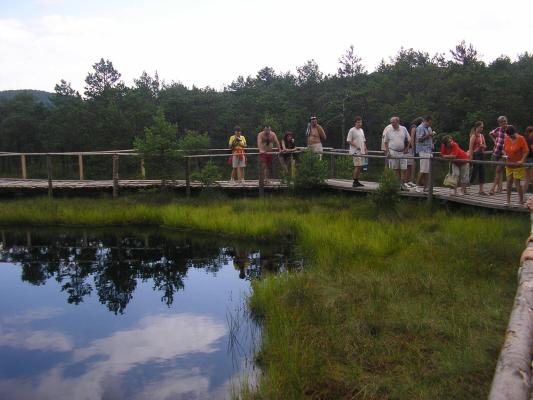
[261, 182]
[23, 166]
[188, 177]
[143, 169]
[49, 173]
[115, 175]
[512, 378]
[80, 166]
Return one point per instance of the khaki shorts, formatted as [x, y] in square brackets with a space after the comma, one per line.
[424, 163]
[238, 162]
[316, 147]
[358, 160]
[462, 172]
[395, 162]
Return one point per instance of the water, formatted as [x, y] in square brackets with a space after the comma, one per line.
[128, 314]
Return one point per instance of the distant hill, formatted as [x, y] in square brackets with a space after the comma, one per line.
[39, 95]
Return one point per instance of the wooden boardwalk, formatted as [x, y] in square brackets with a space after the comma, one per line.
[443, 194]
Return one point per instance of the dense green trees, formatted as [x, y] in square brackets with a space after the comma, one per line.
[456, 90]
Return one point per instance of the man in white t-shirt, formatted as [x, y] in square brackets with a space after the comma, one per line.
[396, 142]
[357, 141]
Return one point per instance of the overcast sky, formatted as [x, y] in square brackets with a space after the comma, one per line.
[211, 42]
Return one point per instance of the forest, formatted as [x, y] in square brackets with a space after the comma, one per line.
[456, 89]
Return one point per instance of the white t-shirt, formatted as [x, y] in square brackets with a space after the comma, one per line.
[357, 136]
[396, 139]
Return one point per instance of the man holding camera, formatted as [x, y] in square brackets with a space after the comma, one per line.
[237, 144]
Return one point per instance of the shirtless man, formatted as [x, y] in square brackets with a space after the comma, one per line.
[265, 142]
[315, 135]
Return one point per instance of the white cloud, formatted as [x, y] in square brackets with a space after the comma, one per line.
[43, 340]
[210, 42]
[160, 338]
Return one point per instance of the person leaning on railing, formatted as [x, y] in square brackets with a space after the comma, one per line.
[460, 167]
[516, 149]
[288, 156]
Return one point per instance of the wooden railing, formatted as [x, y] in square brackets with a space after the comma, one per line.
[512, 378]
[188, 156]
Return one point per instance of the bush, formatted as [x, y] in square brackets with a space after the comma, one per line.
[159, 147]
[208, 175]
[311, 171]
[386, 197]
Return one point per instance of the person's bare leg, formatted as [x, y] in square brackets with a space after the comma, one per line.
[520, 191]
[356, 172]
[420, 180]
[499, 177]
[403, 175]
[283, 165]
[525, 184]
[408, 172]
[509, 187]
[293, 168]
[233, 173]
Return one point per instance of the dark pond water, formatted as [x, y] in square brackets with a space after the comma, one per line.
[128, 314]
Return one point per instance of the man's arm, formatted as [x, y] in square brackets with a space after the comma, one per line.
[321, 133]
[259, 142]
[276, 141]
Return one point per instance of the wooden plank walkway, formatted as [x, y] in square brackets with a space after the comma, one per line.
[440, 193]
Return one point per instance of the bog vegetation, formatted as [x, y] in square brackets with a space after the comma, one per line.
[411, 307]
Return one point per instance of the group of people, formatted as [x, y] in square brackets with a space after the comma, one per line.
[400, 145]
[267, 141]
[510, 147]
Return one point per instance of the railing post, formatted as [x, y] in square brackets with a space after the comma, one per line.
[143, 169]
[332, 165]
[23, 166]
[188, 176]
[260, 176]
[49, 173]
[430, 180]
[80, 166]
[115, 175]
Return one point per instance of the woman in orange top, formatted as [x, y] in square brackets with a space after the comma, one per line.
[517, 150]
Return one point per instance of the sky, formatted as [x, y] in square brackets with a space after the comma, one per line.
[212, 42]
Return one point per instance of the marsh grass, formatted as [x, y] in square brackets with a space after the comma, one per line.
[409, 308]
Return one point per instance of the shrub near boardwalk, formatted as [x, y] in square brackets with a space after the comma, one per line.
[411, 308]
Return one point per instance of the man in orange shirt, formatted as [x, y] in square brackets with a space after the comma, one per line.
[517, 150]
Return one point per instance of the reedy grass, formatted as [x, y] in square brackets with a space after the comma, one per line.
[413, 307]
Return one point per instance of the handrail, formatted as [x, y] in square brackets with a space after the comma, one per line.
[512, 377]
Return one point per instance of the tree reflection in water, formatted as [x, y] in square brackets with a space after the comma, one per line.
[112, 262]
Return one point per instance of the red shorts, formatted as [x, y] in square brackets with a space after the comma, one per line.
[266, 158]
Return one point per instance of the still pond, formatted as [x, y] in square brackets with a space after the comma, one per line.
[136, 314]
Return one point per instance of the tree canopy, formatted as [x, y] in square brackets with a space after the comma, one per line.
[456, 89]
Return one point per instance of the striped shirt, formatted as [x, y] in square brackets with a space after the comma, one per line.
[499, 137]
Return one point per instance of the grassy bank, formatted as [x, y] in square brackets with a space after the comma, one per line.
[409, 308]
